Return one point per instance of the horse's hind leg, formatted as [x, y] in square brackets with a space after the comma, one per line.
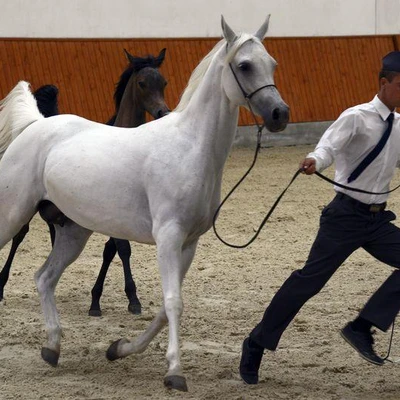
[124, 252]
[110, 249]
[69, 243]
[170, 312]
[5, 272]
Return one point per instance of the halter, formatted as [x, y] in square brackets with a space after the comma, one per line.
[248, 96]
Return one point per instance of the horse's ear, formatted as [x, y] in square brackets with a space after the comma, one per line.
[228, 33]
[263, 29]
[161, 56]
[129, 57]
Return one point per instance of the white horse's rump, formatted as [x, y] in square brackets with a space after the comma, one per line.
[159, 183]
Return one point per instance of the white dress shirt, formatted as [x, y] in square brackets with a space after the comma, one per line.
[350, 138]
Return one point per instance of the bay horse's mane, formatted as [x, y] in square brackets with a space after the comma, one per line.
[135, 65]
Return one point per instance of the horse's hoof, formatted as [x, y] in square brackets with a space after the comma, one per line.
[50, 356]
[94, 313]
[135, 309]
[112, 352]
[176, 382]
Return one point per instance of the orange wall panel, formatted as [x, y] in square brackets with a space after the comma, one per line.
[317, 77]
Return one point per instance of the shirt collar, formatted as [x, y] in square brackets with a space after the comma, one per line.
[383, 111]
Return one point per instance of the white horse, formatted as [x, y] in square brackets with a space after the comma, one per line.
[159, 183]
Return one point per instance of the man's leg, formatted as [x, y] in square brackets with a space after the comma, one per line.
[324, 259]
[384, 305]
[339, 235]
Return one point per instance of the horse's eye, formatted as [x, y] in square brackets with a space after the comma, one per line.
[142, 85]
[244, 66]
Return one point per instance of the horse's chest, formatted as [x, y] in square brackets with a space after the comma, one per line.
[198, 214]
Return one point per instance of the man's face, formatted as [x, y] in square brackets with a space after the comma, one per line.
[390, 92]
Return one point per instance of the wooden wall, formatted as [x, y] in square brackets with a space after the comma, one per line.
[317, 77]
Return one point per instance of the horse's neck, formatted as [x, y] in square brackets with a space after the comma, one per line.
[212, 118]
[130, 113]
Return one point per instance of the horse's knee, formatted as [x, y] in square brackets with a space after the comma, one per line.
[173, 304]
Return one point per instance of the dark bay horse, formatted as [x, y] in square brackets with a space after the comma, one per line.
[140, 89]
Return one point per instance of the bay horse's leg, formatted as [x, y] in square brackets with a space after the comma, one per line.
[53, 216]
[169, 312]
[5, 272]
[110, 249]
[69, 243]
[52, 234]
[124, 252]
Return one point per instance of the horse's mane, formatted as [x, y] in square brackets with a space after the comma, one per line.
[135, 65]
[201, 69]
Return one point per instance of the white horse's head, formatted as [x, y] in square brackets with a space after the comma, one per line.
[250, 72]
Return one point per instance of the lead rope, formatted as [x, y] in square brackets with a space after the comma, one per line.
[386, 358]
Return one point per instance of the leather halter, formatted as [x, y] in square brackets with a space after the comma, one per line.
[250, 95]
[246, 95]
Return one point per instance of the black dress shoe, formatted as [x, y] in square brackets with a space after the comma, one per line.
[250, 361]
[362, 342]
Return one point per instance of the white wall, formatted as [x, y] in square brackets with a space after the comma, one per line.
[195, 18]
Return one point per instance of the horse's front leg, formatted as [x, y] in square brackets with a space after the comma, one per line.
[110, 249]
[174, 378]
[174, 264]
[124, 252]
[69, 242]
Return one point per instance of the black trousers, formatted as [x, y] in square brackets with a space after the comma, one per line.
[345, 226]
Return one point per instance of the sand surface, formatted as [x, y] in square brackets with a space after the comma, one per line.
[225, 294]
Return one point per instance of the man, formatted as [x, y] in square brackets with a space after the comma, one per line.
[364, 142]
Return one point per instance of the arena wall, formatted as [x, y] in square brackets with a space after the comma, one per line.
[328, 52]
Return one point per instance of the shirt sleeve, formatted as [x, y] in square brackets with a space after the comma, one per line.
[335, 138]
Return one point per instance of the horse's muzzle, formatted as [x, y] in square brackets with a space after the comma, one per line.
[277, 119]
[162, 113]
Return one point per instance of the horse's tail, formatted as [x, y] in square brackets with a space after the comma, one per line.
[17, 111]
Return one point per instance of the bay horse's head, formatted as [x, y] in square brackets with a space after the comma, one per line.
[148, 83]
[140, 89]
[248, 77]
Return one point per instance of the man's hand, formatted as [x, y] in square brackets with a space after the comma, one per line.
[308, 166]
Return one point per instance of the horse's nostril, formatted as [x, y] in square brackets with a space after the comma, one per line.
[276, 114]
[159, 114]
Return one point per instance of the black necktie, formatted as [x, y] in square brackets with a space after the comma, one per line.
[374, 152]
